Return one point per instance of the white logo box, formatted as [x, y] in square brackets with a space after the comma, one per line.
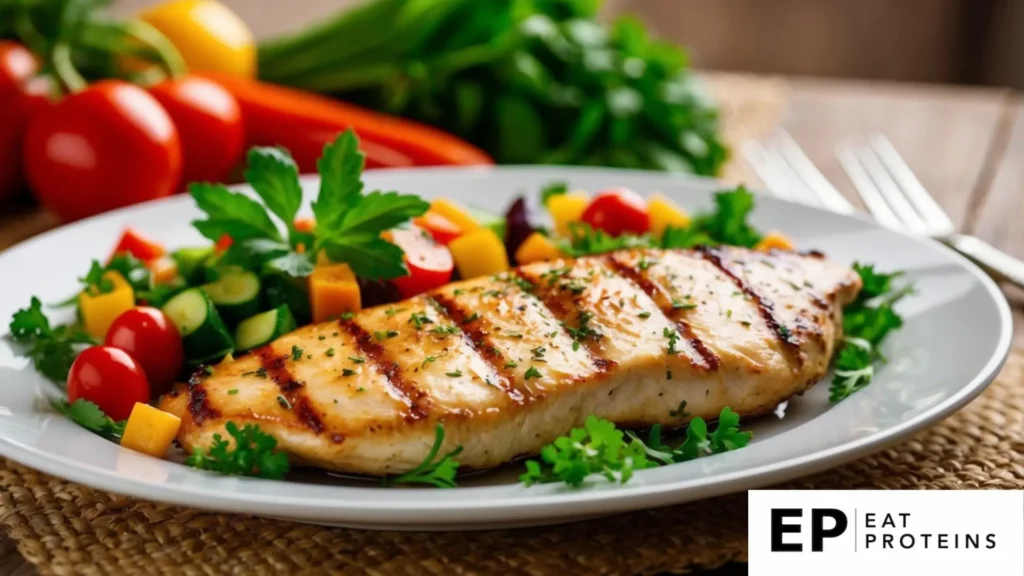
[911, 532]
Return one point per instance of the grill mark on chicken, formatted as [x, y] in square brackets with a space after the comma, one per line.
[402, 389]
[765, 306]
[276, 366]
[474, 336]
[198, 404]
[567, 312]
[709, 361]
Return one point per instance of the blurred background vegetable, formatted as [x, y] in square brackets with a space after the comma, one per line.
[530, 81]
[210, 37]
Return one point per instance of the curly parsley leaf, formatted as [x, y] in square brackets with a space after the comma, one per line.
[89, 416]
[585, 241]
[249, 452]
[727, 224]
[601, 448]
[866, 323]
[52, 349]
[94, 280]
[681, 238]
[272, 173]
[436, 472]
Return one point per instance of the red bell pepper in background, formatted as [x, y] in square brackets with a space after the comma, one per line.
[303, 123]
[22, 93]
[138, 246]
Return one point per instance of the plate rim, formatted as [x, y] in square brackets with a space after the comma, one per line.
[568, 503]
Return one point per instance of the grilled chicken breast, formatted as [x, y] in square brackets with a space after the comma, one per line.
[508, 364]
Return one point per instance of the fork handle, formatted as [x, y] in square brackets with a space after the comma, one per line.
[1000, 265]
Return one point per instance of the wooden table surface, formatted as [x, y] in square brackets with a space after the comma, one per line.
[966, 145]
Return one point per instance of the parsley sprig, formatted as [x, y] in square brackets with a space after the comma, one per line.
[250, 452]
[439, 472]
[349, 222]
[601, 448]
[52, 348]
[866, 323]
[89, 416]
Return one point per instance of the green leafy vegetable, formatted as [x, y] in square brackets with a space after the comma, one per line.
[600, 448]
[52, 349]
[89, 416]
[534, 81]
[439, 472]
[94, 282]
[586, 241]
[551, 190]
[133, 270]
[727, 224]
[349, 223]
[249, 452]
[866, 323]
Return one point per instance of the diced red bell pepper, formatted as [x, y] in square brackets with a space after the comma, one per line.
[138, 246]
[224, 243]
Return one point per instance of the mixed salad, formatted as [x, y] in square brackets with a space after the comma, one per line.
[147, 317]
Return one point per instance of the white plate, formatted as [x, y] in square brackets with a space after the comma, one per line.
[956, 337]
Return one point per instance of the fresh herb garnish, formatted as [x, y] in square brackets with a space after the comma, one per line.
[52, 349]
[866, 323]
[384, 335]
[348, 372]
[679, 412]
[419, 319]
[673, 339]
[253, 453]
[89, 416]
[439, 473]
[296, 353]
[357, 359]
[329, 352]
[349, 223]
[454, 373]
[445, 329]
[552, 189]
[95, 281]
[531, 372]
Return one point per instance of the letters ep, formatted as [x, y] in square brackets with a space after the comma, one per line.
[781, 527]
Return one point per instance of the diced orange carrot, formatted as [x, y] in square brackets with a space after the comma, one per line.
[536, 248]
[333, 291]
[163, 269]
[775, 240]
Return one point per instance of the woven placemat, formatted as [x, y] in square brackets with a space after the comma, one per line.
[65, 528]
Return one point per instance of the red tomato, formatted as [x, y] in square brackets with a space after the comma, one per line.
[138, 245]
[21, 95]
[223, 243]
[442, 229]
[430, 264]
[209, 124]
[618, 211]
[108, 146]
[152, 339]
[109, 378]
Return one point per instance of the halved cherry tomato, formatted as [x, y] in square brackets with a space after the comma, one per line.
[430, 264]
[138, 245]
[442, 229]
[22, 93]
[108, 146]
[209, 122]
[153, 340]
[109, 378]
[618, 211]
[224, 243]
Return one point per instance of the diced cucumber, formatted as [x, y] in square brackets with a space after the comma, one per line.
[191, 261]
[202, 331]
[263, 328]
[282, 290]
[489, 220]
[236, 295]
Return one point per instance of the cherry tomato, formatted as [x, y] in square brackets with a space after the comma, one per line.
[305, 224]
[442, 229]
[108, 146]
[430, 264]
[109, 378]
[22, 93]
[152, 339]
[209, 124]
[138, 246]
[618, 211]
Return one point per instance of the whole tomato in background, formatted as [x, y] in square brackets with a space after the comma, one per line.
[22, 93]
[209, 123]
[107, 146]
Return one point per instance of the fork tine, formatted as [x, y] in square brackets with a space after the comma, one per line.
[815, 181]
[865, 188]
[919, 198]
[890, 190]
[757, 157]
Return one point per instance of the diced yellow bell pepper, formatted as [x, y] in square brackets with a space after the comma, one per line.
[455, 213]
[536, 248]
[333, 291]
[663, 212]
[164, 269]
[775, 240]
[566, 209]
[99, 310]
[479, 253]
[150, 430]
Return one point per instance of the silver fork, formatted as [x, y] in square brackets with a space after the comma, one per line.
[888, 188]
